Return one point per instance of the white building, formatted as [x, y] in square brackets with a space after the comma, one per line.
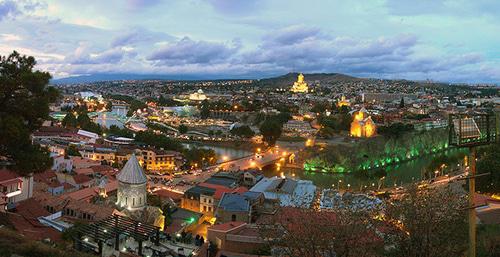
[289, 192]
[14, 188]
[132, 186]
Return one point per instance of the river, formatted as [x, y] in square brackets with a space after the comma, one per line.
[230, 153]
[402, 173]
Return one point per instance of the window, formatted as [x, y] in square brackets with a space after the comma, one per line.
[126, 200]
[233, 217]
[133, 201]
[204, 208]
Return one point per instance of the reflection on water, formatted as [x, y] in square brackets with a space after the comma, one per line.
[403, 173]
[231, 153]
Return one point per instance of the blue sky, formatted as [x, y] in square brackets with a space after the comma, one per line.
[452, 40]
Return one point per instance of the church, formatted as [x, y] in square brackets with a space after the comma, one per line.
[362, 124]
[300, 86]
[132, 191]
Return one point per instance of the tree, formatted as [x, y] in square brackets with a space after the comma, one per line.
[305, 232]
[24, 105]
[243, 131]
[69, 120]
[72, 150]
[183, 129]
[489, 161]
[402, 103]
[83, 120]
[270, 130]
[205, 109]
[430, 222]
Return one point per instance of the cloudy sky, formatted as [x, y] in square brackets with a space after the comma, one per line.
[444, 40]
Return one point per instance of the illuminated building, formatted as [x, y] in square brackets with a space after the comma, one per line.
[343, 102]
[362, 125]
[198, 96]
[132, 182]
[300, 86]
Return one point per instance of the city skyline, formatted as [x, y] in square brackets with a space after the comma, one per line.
[438, 40]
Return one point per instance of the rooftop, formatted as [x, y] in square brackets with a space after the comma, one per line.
[132, 172]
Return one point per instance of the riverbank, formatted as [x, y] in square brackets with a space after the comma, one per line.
[237, 145]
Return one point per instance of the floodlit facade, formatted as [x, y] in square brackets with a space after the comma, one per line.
[198, 96]
[300, 86]
[132, 186]
[362, 125]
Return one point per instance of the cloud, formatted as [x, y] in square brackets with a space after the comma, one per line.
[8, 8]
[139, 36]
[235, 7]
[83, 56]
[188, 51]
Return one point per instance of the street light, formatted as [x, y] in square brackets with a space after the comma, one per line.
[338, 184]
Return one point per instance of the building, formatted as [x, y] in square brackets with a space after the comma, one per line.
[197, 96]
[132, 182]
[286, 191]
[199, 199]
[234, 207]
[343, 102]
[362, 125]
[14, 188]
[298, 128]
[161, 160]
[235, 237]
[300, 86]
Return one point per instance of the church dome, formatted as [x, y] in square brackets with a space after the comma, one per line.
[132, 172]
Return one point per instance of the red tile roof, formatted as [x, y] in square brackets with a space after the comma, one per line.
[225, 227]
[81, 178]
[6, 175]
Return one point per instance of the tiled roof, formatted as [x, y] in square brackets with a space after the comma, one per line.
[132, 172]
[227, 226]
[6, 174]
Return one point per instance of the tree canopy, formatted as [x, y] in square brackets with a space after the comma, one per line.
[270, 130]
[24, 104]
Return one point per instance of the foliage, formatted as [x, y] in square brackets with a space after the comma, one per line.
[417, 116]
[271, 131]
[488, 237]
[381, 151]
[163, 101]
[12, 242]
[200, 156]
[70, 233]
[24, 105]
[70, 120]
[430, 222]
[72, 150]
[242, 131]
[395, 129]
[402, 103]
[117, 131]
[183, 129]
[205, 109]
[489, 161]
[306, 232]
[158, 141]
[134, 103]
[320, 107]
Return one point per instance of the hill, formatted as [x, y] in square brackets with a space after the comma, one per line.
[288, 79]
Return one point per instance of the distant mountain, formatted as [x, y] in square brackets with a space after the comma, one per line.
[110, 77]
[288, 79]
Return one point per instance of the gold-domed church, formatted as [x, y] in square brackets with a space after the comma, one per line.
[363, 125]
[300, 86]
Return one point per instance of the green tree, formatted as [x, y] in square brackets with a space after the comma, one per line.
[69, 120]
[72, 150]
[489, 162]
[243, 131]
[183, 129]
[83, 120]
[271, 131]
[205, 109]
[24, 105]
[402, 103]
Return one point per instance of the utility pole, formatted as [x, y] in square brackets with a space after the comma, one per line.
[472, 209]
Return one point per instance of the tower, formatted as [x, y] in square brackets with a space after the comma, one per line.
[132, 182]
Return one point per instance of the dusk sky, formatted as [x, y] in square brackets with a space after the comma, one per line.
[456, 40]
